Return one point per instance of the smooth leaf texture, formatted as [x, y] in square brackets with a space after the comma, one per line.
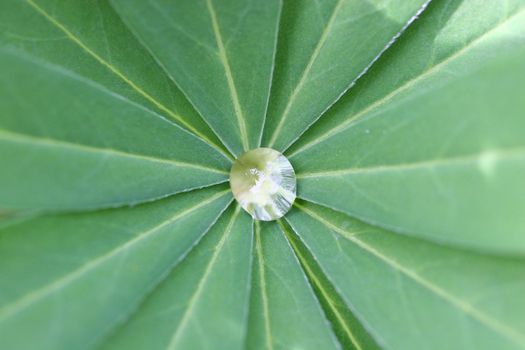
[324, 47]
[444, 30]
[430, 160]
[284, 312]
[74, 151]
[89, 39]
[439, 297]
[349, 331]
[403, 119]
[215, 276]
[220, 53]
[88, 271]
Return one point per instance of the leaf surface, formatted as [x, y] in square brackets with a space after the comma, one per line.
[284, 312]
[324, 47]
[221, 55]
[429, 159]
[78, 145]
[411, 294]
[403, 119]
[215, 276]
[89, 39]
[348, 329]
[69, 279]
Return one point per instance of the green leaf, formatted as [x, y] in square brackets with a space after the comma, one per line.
[284, 312]
[214, 276]
[69, 279]
[80, 145]
[349, 331]
[89, 39]
[410, 294]
[403, 119]
[219, 53]
[429, 159]
[324, 47]
[9, 218]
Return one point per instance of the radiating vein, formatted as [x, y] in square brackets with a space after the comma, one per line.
[304, 75]
[404, 87]
[33, 297]
[466, 308]
[229, 76]
[202, 283]
[122, 76]
[331, 303]
[262, 282]
[484, 160]
[47, 142]
[270, 82]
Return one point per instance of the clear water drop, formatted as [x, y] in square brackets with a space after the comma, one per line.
[263, 182]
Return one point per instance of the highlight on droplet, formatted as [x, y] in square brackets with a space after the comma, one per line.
[263, 182]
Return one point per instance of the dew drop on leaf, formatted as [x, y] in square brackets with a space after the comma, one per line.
[263, 182]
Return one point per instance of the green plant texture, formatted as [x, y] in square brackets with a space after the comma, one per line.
[403, 119]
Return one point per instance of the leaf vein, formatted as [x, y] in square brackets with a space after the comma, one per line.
[324, 292]
[229, 76]
[304, 75]
[41, 141]
[118, 73]
[202, 282]
[486, 156]
[33, 297]
[466, 308]
[266, 309]
[406, 86]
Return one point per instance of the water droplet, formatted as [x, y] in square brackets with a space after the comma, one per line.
[263, 182]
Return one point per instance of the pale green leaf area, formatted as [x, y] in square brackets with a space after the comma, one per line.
[404, 121]
[433, 161]
[324, 47]
[444, 32]
[415, 291]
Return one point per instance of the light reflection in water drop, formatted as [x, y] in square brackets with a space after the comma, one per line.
[263, 182]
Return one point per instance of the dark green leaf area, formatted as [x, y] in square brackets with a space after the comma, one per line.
[93, 268]
[82, 146]
[283, 309]
[349, 331]
[212, 287]
[89, 39]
